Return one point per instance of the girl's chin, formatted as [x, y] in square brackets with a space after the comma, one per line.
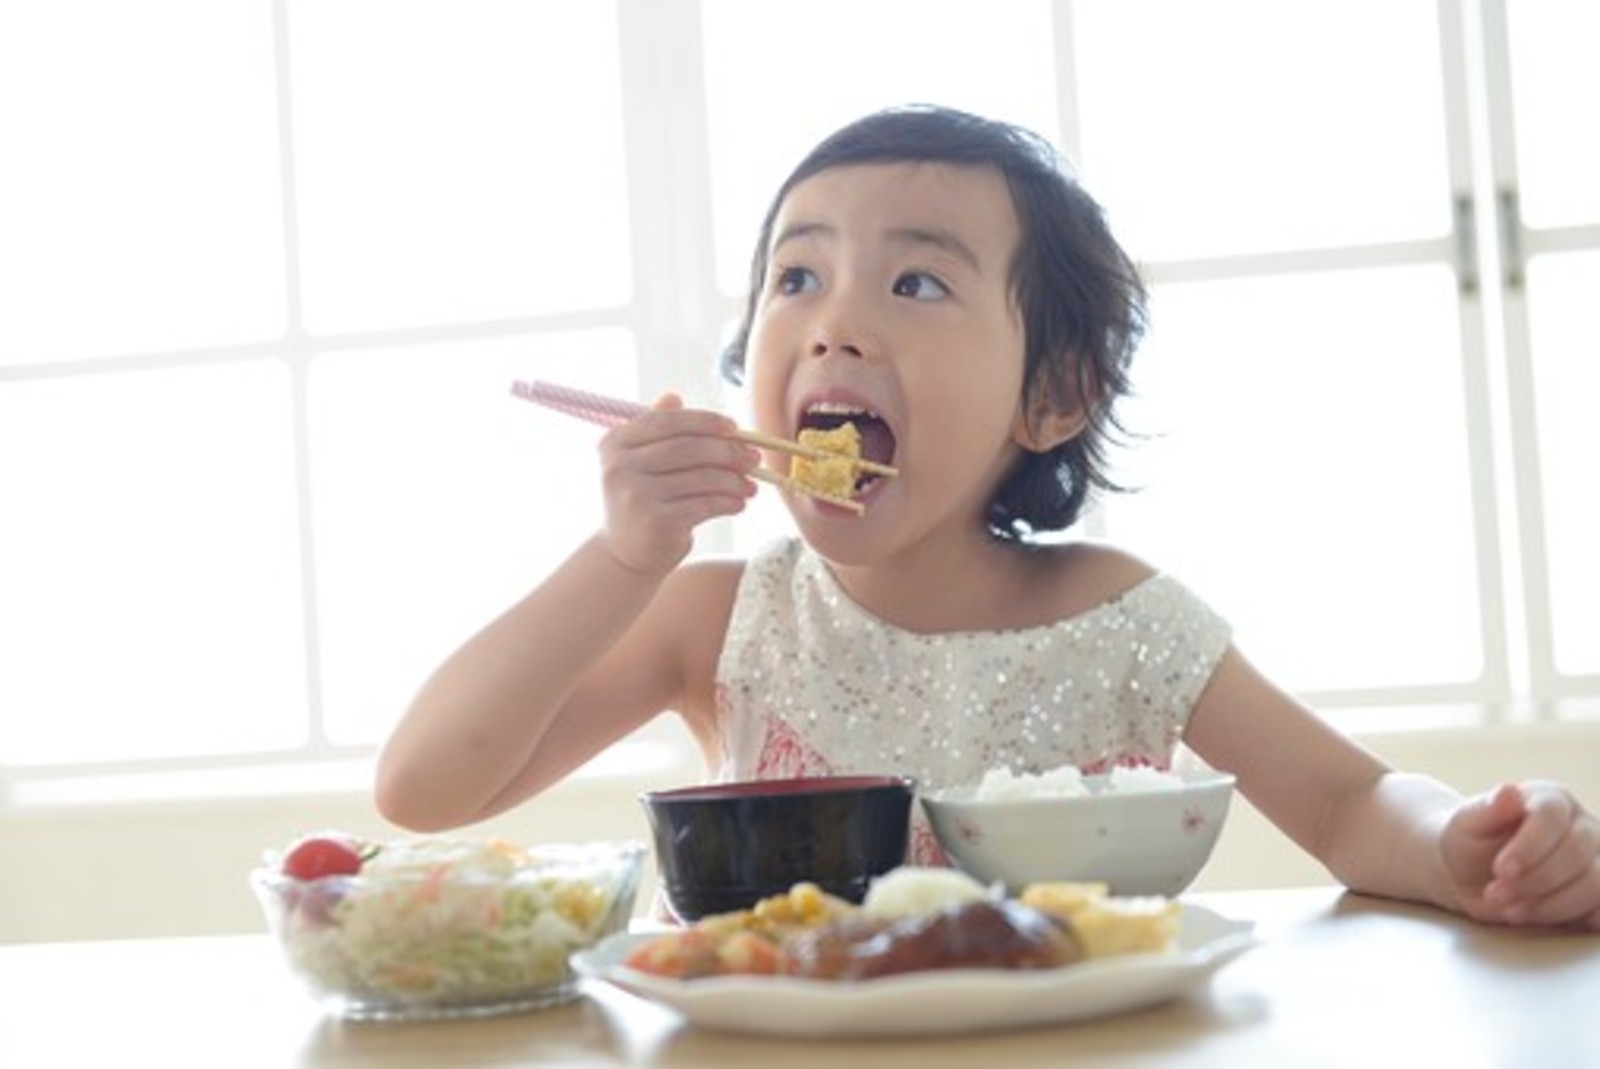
[803, 506]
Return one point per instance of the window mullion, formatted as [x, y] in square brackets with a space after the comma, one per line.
[678, 312]
[1525, 523]
[1460, 50]
[669, 179]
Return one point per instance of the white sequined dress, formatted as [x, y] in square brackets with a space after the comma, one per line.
[809, 683]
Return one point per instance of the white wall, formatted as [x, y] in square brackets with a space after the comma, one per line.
[181, 867]
[171, 868]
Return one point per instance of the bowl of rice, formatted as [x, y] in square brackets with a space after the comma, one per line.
[442, 927]
[1139, 831]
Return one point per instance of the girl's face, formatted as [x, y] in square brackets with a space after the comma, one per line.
[887, 301]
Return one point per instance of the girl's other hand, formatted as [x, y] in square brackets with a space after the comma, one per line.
[664, 474]
[1525, 853]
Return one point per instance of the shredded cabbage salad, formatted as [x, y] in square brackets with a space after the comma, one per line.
[444, 921]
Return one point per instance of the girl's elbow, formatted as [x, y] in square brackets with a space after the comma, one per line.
[402, 800]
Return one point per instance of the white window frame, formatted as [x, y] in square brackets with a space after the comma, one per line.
[681, 318]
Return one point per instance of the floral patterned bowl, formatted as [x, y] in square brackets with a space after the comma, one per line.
[1137, 841]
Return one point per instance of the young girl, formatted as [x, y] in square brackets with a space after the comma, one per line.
[940, 281]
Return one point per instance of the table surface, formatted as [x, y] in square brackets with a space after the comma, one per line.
[1336, 980]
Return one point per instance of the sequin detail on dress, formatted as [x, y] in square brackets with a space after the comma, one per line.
[809, 683]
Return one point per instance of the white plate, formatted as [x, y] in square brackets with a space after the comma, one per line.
[930, 1003]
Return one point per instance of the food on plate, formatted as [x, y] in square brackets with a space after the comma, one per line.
[697, 952]
[1108, 924]
[439, 921]
[805, 905]
[984, 934]
[833, 475]
[742, 941]
[913, 920]
[911, 890]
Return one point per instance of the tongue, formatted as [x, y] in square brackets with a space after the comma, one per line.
[877, 441]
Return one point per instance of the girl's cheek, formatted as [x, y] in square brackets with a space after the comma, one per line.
[767, 386]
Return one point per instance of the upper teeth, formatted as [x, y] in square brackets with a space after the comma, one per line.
[837, 408]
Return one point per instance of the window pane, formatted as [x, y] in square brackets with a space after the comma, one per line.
[1554, 84]
[457, 161]
[440, 499]
[140, 207]
[853, 58]
[1566, 336]
[1241, 126]
[1308, 472]
[150, 564]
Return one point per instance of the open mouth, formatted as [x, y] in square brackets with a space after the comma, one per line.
[877, 440]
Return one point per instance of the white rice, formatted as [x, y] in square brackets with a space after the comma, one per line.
[1001, 784]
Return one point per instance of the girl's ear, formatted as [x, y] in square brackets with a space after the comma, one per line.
[1045, 421]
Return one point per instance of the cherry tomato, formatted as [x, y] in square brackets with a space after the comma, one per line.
[322, 855]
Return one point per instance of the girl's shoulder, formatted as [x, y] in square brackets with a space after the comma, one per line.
[689, 616]
[703, 586]
[706, 590]
[1107, 565]
[1079, 578]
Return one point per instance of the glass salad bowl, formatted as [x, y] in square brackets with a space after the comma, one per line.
[442, 927]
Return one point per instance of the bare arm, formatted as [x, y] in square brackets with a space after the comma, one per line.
[1373, 829]
[614, 636]
[1523, 854]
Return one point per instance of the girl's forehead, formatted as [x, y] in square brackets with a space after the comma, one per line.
[872, 198]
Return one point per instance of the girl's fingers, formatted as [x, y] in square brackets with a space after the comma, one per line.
[668, 418]
[652, 530]
[670, 488]
[1493, 816]
[664, 473]
[662, 449]
[1548, 817]
[1575, 902]
[1548, 872]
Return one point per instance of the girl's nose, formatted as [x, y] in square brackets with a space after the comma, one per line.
[824, 343]
[840, 331]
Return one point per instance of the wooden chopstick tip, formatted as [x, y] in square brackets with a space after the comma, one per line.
[767, 475]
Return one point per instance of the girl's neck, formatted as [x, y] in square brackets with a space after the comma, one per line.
[993, 586]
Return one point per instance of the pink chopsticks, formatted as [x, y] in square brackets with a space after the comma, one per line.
[614, 412]
[594, 407]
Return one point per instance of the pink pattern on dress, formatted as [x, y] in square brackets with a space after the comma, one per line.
[1106, 764]
[925, 849]
[785, 755]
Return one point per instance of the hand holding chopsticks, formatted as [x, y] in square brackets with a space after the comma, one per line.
[613, 412]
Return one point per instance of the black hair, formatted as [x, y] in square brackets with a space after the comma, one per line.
[1082, 302]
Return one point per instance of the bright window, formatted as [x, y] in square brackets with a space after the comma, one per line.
[1561, 293]
[773, 91]
[1553, 76]
[267, 272]
[438, 501]
[1272, 476]
[141, 208]
[150, 561]
[456, 162]
[1204, 141]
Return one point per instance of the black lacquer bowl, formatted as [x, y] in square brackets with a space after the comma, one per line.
[724, 847]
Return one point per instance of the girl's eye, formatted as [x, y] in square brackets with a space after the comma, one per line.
[792, 280]
[919, 286]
